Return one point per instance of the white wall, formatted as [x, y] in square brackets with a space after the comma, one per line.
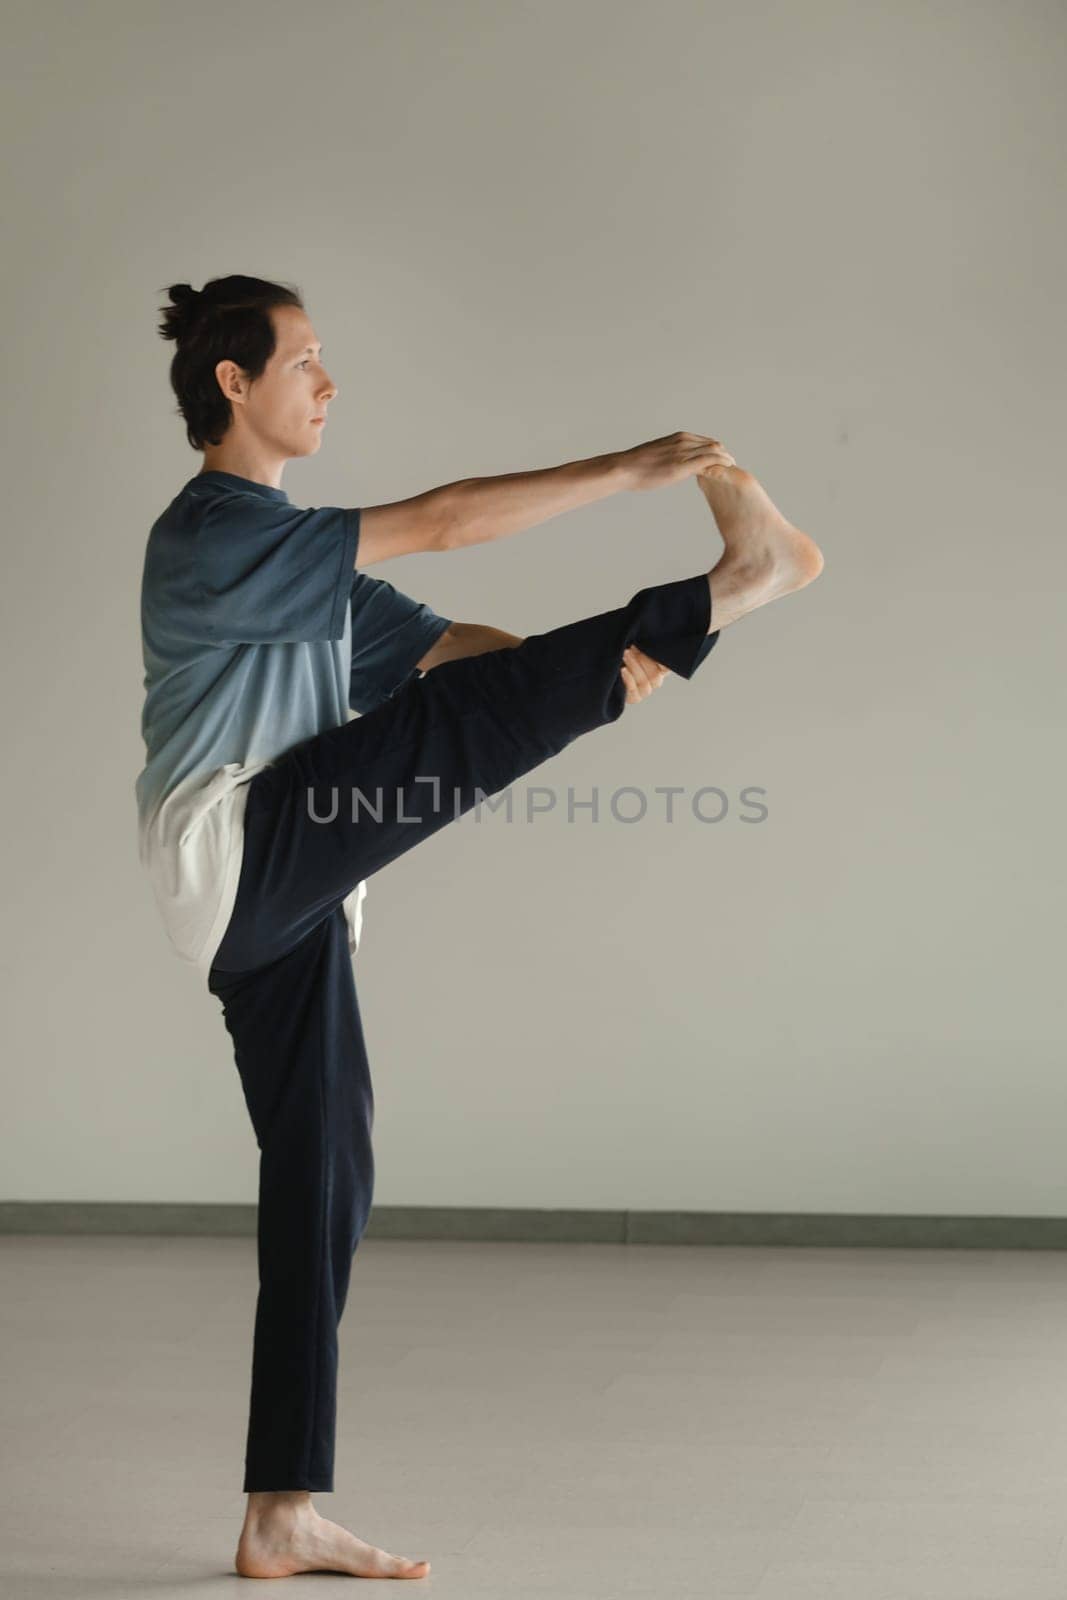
[831, 235]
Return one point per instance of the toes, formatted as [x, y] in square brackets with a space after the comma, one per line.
[403, 1567]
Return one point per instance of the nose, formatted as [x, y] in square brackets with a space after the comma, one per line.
[329, 392]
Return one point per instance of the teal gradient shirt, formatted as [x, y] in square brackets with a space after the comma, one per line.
[257, 632]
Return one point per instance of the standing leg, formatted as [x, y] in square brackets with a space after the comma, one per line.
[300, 1053]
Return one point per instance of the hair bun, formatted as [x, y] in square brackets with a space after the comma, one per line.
[182, 315]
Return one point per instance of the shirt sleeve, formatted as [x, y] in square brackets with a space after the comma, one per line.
[390, 634]
[268, 572]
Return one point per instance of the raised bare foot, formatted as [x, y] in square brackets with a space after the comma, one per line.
[280, 1539]
[765, 556]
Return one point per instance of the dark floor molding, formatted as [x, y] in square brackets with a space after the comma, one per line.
[487, 1223]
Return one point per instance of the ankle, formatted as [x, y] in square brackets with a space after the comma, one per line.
[731, 595]
[275, 1502]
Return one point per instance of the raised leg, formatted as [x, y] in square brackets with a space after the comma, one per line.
[338, 807]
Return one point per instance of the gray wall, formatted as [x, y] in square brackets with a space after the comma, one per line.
[832, 236]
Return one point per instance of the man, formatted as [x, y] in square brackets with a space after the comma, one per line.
[264, 803]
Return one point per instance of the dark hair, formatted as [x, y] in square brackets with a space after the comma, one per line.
[227, 320]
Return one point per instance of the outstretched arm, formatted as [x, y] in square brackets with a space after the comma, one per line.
[477, 510]
[640, 673]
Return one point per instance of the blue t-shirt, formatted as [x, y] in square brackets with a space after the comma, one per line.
[257, 633]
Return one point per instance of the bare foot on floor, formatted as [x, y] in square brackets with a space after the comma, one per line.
[280, 1540]
[765, 556]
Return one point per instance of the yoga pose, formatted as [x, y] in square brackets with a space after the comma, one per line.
[305, 724]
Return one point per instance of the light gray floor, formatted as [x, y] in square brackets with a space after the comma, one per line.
[575, 1421]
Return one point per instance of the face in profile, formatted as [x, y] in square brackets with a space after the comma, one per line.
[286, 407]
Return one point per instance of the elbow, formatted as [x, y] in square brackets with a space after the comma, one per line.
[452, 518]
[443, 529]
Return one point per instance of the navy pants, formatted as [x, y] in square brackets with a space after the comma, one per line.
[285, 978]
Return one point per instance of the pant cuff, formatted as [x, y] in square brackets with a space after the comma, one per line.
[671, 623]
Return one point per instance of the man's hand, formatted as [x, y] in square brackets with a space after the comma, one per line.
[669, 460]
[641, 674]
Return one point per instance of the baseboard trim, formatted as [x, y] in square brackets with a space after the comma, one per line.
[518, 1225]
